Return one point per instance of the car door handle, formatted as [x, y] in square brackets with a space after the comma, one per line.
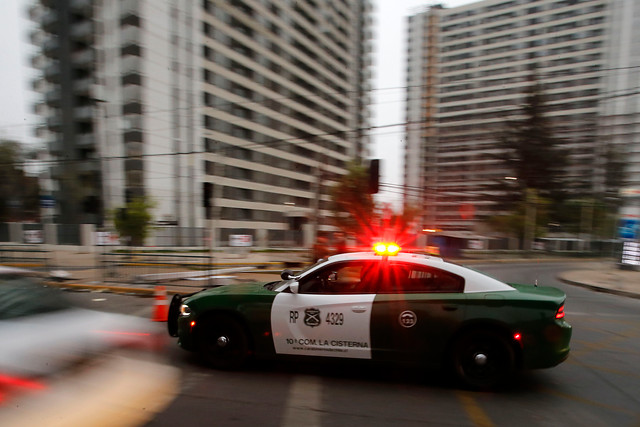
[358, 309]
[449, 307]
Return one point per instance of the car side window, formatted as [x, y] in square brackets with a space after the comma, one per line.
[413, 278]
[340, 278]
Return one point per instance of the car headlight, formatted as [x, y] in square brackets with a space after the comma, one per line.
[185, 311]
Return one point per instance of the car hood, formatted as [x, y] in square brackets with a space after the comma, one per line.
[253, 288]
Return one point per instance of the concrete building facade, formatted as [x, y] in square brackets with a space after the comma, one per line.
[469, 69]
[258, 103]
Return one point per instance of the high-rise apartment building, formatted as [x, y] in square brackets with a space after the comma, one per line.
[468, 72]
[258, 103]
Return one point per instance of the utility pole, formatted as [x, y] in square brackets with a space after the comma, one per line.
[531, 202]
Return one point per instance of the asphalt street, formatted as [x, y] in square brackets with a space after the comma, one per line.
[598, 385]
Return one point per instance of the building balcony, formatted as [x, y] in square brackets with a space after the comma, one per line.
[84, 7]
[83, 113]
[132, 122]
[52, 73]
[130, 35]
[49, 20]
[131, 64]
[85, 140]
[82, 31]
[51, 47]
[35, 12]
[88, 166]
[83, 57]
[83, 86]
[53, 122]
[37, 37]
[129, 7]
[55, 145]
[131, 94]
[52, 97]
[39, 62]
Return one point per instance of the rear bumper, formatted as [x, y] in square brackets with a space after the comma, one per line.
[549, 348]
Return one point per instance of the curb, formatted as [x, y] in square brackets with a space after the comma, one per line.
[108, 288]
[599, 288]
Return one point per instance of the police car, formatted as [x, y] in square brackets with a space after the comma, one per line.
[383, 305]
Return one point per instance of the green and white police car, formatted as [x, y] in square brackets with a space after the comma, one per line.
[389, 307]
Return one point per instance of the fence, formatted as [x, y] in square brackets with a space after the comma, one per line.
[132, 267]
[24, 256]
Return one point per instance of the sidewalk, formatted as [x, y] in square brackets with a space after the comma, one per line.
[605, 276]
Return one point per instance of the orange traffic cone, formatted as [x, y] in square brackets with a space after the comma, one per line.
[161, 305]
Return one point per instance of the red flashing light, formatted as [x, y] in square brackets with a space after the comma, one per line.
[124, 333]
[10, 381]
[517, 336]
[386, 249]
[560, 312]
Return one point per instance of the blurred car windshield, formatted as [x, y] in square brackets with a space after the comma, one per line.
[25, 296]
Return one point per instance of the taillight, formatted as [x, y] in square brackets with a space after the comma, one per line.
[560, 312]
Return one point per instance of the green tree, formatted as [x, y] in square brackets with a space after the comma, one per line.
[356, 214]
[530, 151]
[537, 162]
[133, 222]
[19, 193]
[352, 204]
[529, 216]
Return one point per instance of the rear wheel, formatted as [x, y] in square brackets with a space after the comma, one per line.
[224, 343]
[483, 359]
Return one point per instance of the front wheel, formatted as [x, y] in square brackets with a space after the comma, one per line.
[224, 343]
[483, 359]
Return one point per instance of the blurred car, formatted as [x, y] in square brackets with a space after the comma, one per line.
[43, 332]
[384, 306]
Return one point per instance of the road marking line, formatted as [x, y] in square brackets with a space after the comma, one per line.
[474, 411]
[303, 403]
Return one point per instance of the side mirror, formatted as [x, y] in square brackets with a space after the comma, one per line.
[294, 287]
[287, 275]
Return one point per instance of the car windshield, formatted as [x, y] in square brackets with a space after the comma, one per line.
[304, 270]
[25, 296]
[278, 285]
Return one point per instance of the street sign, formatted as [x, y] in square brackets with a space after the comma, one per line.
[240, 240]
[47, 202]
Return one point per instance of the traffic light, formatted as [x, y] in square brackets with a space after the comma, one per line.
[374, 176]
[207, 193]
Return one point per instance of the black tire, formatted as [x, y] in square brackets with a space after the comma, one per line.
[483, 359]
[223, 342]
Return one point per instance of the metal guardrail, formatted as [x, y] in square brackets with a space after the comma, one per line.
[24, 256]
[137, 267]
[122, 267]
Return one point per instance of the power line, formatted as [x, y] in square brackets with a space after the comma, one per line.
[603, 96]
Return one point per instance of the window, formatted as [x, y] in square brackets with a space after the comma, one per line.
[356, 277]
[413, 278]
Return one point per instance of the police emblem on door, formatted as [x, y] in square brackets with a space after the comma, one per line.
[312, 317]
[407, 319]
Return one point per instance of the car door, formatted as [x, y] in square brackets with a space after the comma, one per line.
[416, 310]
[329, 315]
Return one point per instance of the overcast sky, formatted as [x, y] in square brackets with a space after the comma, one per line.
[16, 118]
